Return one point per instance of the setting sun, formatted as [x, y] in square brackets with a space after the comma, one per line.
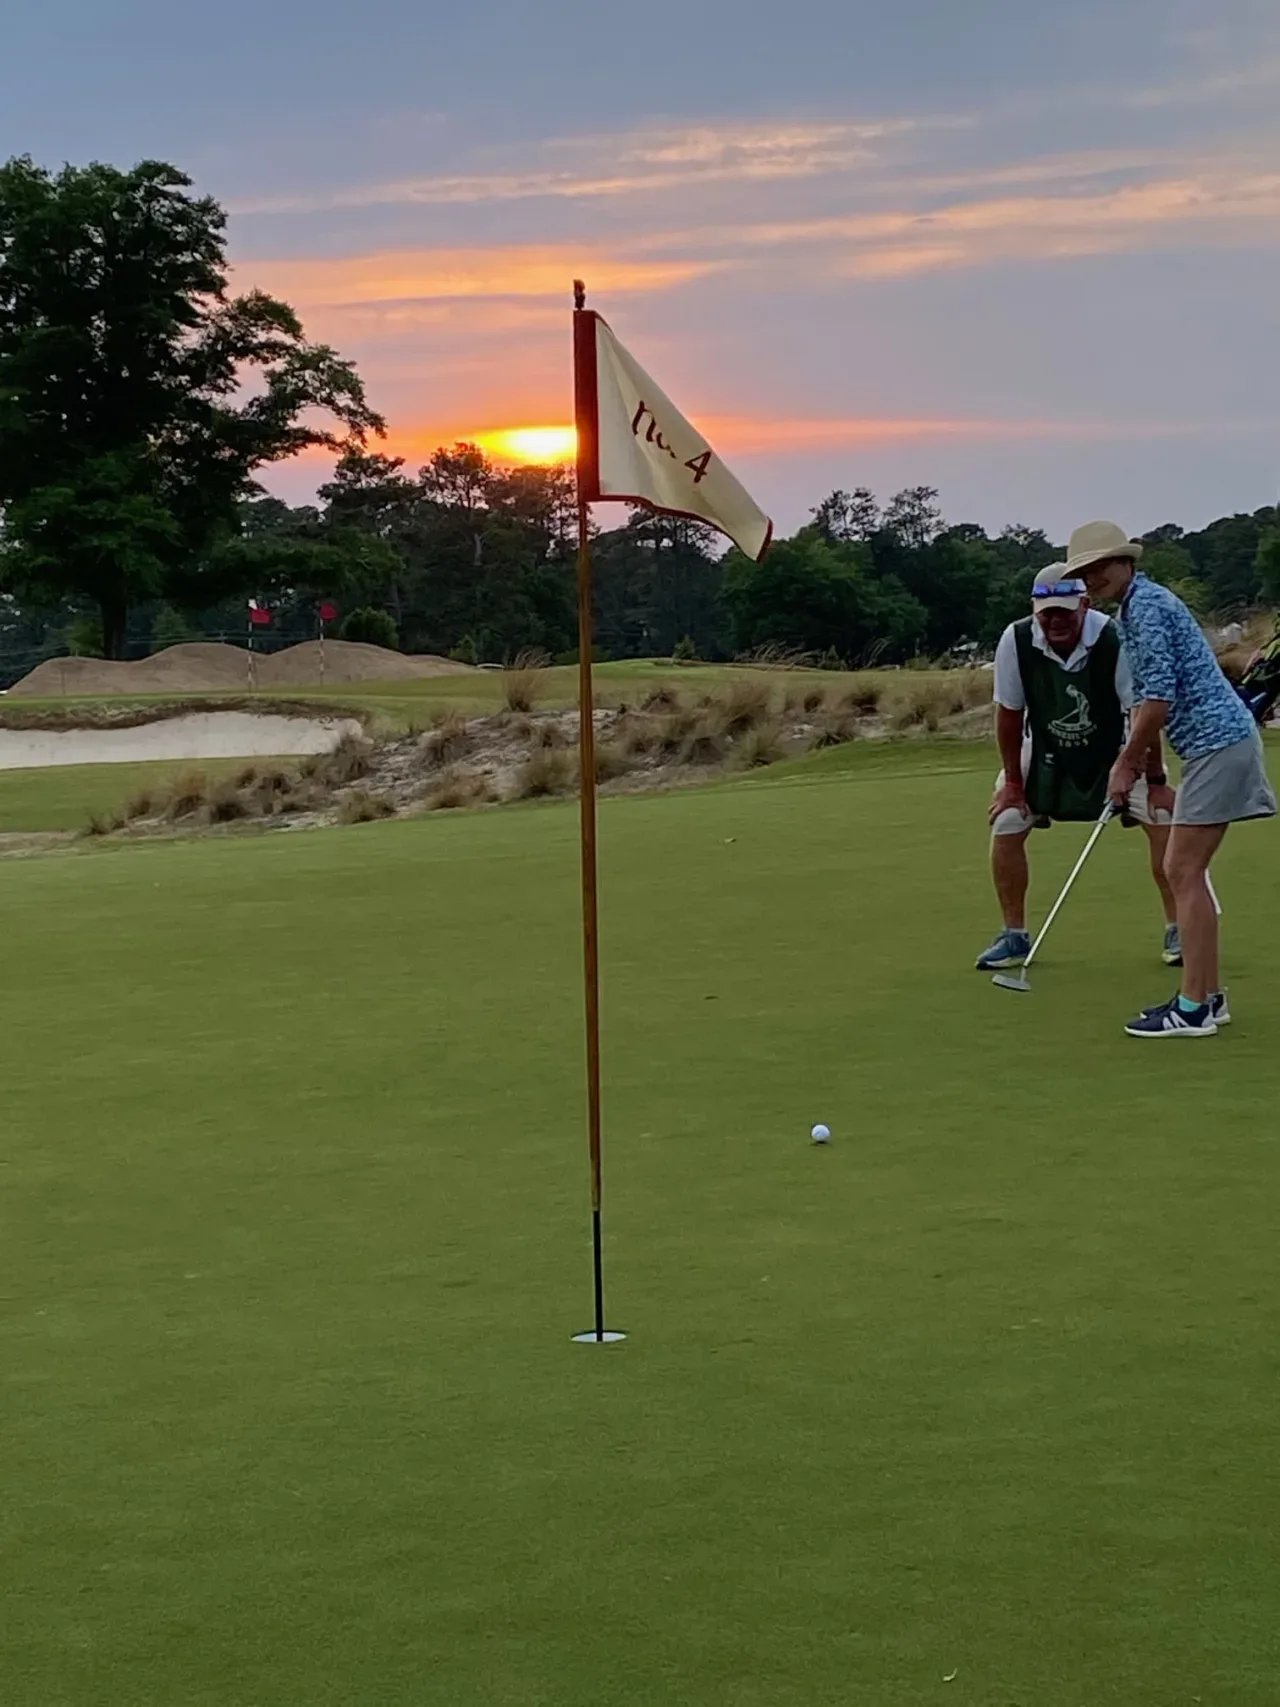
[531, 444]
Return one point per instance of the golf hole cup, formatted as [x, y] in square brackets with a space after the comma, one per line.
[821, 1134]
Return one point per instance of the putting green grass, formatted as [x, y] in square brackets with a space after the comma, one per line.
[296, 1233]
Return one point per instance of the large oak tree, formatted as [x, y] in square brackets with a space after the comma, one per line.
[138, 396]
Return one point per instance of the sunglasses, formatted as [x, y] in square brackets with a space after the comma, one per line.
[1057, 590]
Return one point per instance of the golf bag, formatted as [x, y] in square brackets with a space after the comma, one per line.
[1259, 687]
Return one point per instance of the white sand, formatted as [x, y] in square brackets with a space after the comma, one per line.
[200, 735]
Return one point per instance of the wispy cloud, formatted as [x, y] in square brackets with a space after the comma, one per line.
[487, 292]
[403, 280]
[480, 318]
[1237, 206]
[1258, 77]
[1236, 211]
[633, 163]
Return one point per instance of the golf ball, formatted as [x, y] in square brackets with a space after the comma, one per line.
[821, 1134]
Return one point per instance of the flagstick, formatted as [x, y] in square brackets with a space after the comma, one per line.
[590, 889]
[590, 899]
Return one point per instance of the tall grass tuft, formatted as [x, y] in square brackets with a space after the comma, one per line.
[546, 771]
[361, 806]
[523, 680]
[448, 741]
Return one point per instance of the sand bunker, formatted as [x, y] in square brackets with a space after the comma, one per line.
[208, 667]
[199, 735]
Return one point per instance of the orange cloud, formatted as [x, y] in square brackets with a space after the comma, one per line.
[412, 277]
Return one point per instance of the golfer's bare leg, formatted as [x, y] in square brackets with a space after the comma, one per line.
[1186, 862]
[1010, 875]
[1157, 844]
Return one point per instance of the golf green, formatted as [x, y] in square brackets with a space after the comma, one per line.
[974, 1406]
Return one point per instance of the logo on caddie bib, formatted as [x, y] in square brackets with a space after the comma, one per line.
[1075, 729]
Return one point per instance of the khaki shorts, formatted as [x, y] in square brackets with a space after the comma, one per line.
[1012, 823]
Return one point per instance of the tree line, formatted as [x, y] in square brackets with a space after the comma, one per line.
[142, 403]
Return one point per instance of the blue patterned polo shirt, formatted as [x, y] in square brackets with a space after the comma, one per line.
[1171, 660]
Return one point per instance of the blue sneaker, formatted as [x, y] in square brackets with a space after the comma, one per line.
[1010, 948]
[1171, 953]
[1168, 1020]
[1217, 1007]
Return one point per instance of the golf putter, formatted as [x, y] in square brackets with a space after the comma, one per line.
[1007, 980]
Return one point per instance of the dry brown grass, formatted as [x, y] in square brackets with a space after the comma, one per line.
[761, 745]
[361, 806]
[226, 804]
[523, 681]
[778, 658]
[348, 762]
[704, 745]
[612, 761]
[637, 734]
[744, 704]
[272, 790]
[864, 699]
[836, 728]
[927, 704]
[674, 730]
[546, 771]
[450, 739]
[661, 699]
[457, 789]
[188, 795]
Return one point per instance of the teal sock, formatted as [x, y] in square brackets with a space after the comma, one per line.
[1186, 1006]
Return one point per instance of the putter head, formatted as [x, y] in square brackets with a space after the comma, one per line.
[1012, 981]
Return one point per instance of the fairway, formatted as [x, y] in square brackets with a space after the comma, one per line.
[64, 797]
[976, 1406]
[396, 706]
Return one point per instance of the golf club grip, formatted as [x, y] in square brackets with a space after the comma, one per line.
[1098, 828]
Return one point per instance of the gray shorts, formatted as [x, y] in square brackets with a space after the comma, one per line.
[1227, 786]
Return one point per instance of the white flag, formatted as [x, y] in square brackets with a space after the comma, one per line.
[634, 445]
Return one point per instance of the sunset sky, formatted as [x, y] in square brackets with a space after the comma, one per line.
[1025, 254]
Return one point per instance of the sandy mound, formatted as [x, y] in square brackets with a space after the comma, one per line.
[350, 661]
[208, 667]
[194, 668]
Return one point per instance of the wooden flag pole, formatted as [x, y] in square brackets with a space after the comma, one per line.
[585, 415]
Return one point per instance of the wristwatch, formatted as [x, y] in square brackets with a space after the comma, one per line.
[1157, 781]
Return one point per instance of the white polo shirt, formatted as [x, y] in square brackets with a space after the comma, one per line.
[1006, 680]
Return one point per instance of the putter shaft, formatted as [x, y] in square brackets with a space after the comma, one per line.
[1108, 813]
